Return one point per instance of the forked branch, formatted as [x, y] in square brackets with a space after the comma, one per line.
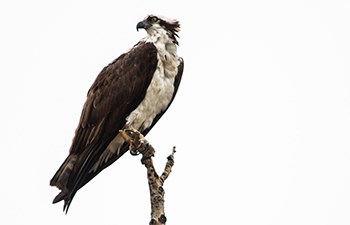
[138, 144]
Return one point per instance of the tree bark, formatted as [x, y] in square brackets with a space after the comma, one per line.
[138, 144]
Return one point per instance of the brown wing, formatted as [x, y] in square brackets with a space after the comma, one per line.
[116, 92]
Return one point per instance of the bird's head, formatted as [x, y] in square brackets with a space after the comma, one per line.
[158, 25]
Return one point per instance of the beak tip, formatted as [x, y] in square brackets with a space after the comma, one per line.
[139, 25]
[143, 24]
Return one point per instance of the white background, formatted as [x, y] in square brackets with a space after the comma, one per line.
[261, 120]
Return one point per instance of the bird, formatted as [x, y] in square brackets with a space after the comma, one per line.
[133, 91]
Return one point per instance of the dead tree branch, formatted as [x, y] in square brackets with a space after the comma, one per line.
[138, 144]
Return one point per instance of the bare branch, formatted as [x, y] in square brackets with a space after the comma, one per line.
[169, 165]
[138, 144]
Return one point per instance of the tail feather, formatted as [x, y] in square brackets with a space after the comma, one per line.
[63, 195]
[60, 179]
[76, 171]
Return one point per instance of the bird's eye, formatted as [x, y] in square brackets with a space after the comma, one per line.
[154, 19]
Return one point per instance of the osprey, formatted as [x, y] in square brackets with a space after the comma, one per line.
[133, 91]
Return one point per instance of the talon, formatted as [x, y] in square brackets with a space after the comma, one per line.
[134, 153]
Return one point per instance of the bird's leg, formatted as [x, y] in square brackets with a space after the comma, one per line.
[136, 140]
[129, 136]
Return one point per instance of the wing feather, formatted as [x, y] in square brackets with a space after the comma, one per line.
[112, 98]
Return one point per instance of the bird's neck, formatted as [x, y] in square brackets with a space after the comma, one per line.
[162, 40]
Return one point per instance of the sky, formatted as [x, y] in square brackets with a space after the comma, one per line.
[260, 122]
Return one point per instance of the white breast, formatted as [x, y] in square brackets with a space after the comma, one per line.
[159, 92]
[161, 88]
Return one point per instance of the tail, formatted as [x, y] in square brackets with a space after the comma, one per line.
[67, 197]
[76, 171]
[60, 180]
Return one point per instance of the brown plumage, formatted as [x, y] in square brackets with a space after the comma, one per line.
[117, 91]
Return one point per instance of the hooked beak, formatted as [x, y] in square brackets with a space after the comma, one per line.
[143, 24]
